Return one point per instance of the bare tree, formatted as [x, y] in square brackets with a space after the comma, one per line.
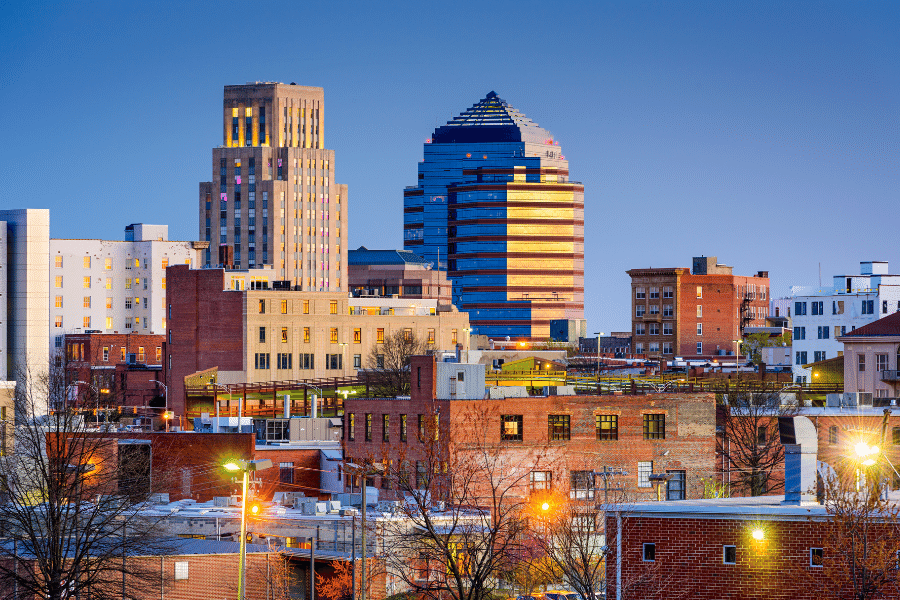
[462, 521]
[388, 363]
[858, 557]
[70, 516]
[748, 440]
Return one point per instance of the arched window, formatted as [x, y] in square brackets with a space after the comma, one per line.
[833, 434]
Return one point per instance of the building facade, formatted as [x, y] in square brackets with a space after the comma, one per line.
[273, 199]
[872, 358]
[114, 286]
[24, 327]
[820, 316]
[494, 207]
[258, 335]
[694, 313]
[400, 273]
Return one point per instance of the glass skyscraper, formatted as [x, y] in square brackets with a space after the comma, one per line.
[494, 207]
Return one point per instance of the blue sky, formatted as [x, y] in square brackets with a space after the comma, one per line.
[764, 133]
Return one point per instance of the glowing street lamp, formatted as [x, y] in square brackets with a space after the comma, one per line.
[758, 535]
[245, 466]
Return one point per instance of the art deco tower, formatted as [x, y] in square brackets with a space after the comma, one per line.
[495, 208]
[273, 200]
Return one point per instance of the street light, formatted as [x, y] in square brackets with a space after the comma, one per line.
[598, 334]
[245, 466]
[363, 472]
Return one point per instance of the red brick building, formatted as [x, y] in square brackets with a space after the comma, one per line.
[123, 368]
[694, 313]
[189, 465]
[573, 436]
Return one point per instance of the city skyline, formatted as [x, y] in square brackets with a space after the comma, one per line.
[775, 124]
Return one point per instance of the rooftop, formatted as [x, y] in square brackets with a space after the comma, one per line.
[364, 256]
[491, 120]
[887, 326]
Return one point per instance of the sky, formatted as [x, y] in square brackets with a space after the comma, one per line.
[763, 133]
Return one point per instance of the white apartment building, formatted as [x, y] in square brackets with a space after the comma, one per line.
[820, 315]
[112, 286]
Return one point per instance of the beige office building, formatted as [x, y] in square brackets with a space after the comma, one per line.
[273, 200]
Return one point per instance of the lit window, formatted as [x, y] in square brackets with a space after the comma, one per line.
[511, 428]
[165, 263]
[109, 322]
[87, 322]
[306, 307]
[284, 335]
[453, 336]
[109, 283]
[699, 291]
[87, 302]
[334, 335]
[379, 336]
[140, 355]
[284, 306]
[107, 264]
[58, 262]
[137, 263]
[540, 480]
[181, 570]
[58, 302]
[86, 282]
[357, 336]
[559, 427]
[57, 281]
[607, 427]
[306, 335]
[262, 307]
[163, 283]
[87, 262]
[333, 306]
[430, 336]
[655, 426]
[57, 321]
[128, 283]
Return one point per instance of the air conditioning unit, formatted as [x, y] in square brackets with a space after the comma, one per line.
[131, 359]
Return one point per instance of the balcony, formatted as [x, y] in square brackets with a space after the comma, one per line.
[890, 375]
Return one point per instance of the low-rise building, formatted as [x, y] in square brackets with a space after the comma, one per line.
[820, 316]
[872, 358]
[395, 273]
[258, 335]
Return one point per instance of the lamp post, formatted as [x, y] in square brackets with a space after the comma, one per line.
[363, 472]
[166, 405]
[245, 466]
[97, 396]
[598, 334]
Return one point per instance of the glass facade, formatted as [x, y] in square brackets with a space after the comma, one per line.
[495, 209]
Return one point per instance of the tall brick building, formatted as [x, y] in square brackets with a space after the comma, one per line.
[575, 435]
[696, 313]
[273, 199]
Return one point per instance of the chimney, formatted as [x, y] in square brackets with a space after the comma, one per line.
[798, 434]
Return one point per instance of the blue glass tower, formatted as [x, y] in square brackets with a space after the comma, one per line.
[494, 207]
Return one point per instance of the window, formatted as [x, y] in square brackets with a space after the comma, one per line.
[357, 361]
[649, 552]
[699, 347]
[262, 307]
[334, 362]
[654, 328]
[181, 570]
[699, 311]
[799, 308]
[105, 353]
[822, 332]
[284, 335]
[729, 555]
[654, 293]
[668, 311]
[799, 333]
[801, 357]
[261, 361]
[86, 282]
[655, 426]
[158, 354]
[639, 329]
[645, 468]
[286, 472]
[58, 302]
[895, 436]
[379, 361]
[511, 428]
[833, 434]
[815, 557]
[540, 480]
[881, 362]
[582, 485]
[407, 334]
[284, 304]
[816, 308]
[58, 262]
[332, 307]
[675, 489]
[667, 348]
[357, 336]
[861, 361]
[667, 292]
[379, 336]
[128, 283]
[640, 293]
[430, 338]
[639, 310]
[86, 322]
[421, 427]
[699, 291]
[306, 307]
[284, 360]
[654, 309]
[351, 427]
[368, 427]
[403, 428]
[140, 355]
[385, 428]
[559, 427]
[607, 427]
[334, 335]
[868, 307]
[306, 335]
[262, 335]
[667, 328]
[699, 328]
[818, 355]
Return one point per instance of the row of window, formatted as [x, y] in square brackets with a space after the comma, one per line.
[87, 300]
[334, 336]
[421, 424]
[75, 351]
[86, 283]
[668, 328]
[559, 427]
[640, 293]
[262, 361]
[667, 347]
[130, 322]
[729, 554]
[108, 263]
[817, 308]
